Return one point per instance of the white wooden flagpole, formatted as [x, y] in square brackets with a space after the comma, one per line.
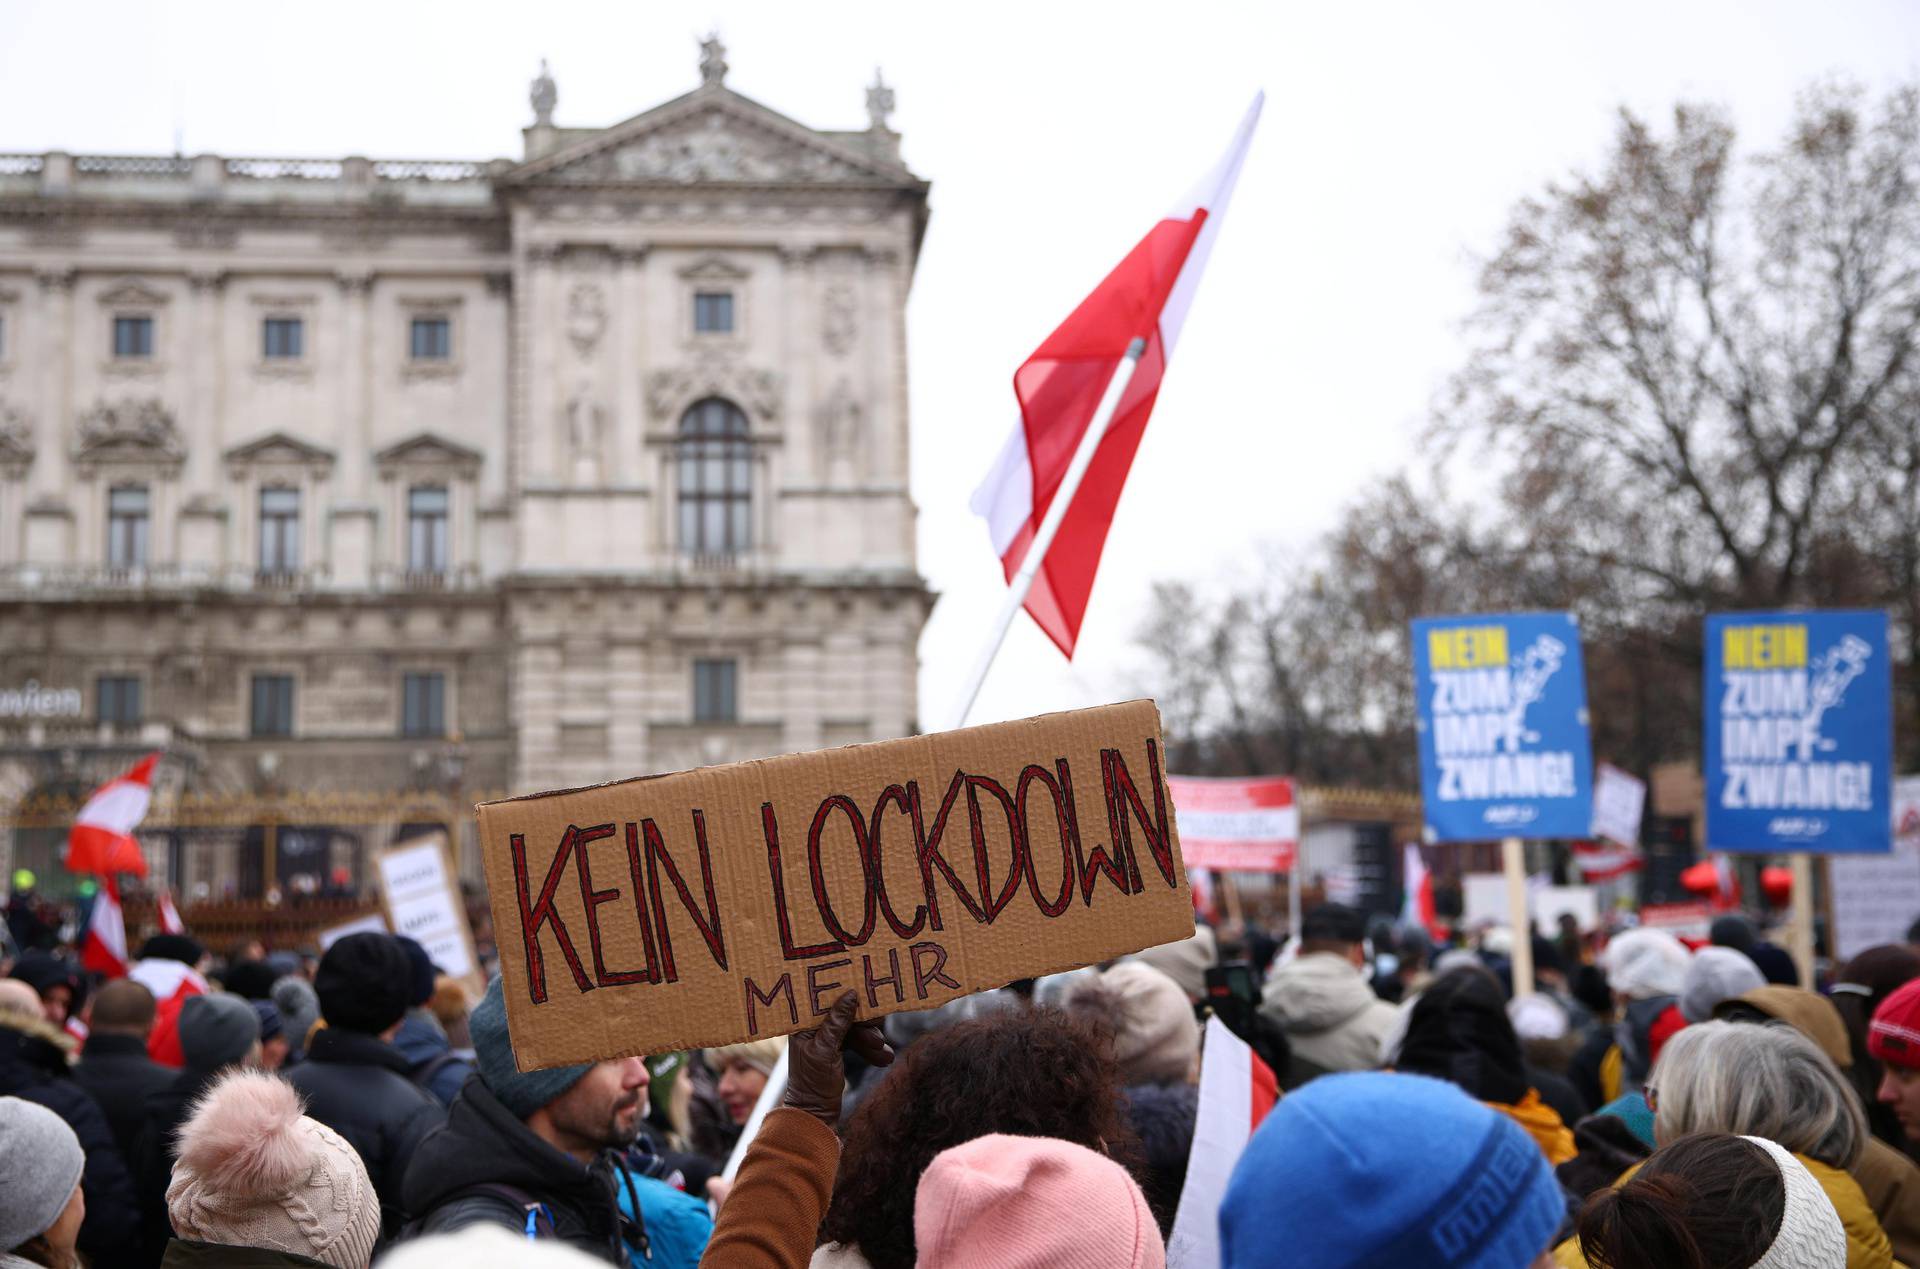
[1049, 526]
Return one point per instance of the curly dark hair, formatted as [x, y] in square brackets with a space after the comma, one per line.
[1028, 1073]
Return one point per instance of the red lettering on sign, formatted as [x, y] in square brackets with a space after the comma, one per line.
[874, 984]
[659, 861]
[816, 989]
[927, 849]
[1068, 839]
[636, 872]
[542, 911]
[592, 899]
[1120, 789]
[924, 974]
[821, 900]
[784, 987]
[770, 828]
[1091, 865]
[898, 796]
[976, 784]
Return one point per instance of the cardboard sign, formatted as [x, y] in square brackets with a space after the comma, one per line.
[736, 902]
[1619, 806]
[1502, 702]
[1799, 732]
[1877, 897]
[1237, 825]
[424, 903]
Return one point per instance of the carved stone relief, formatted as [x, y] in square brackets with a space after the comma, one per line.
[16, 441]
[841, 423]
[139, 428]
[586, 317]
[672, 390]
[839, 319]
[585, 423]
[711, 147]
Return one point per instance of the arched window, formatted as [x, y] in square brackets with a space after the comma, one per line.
[716, 479]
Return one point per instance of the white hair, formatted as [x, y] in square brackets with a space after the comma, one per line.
[1757, 1080]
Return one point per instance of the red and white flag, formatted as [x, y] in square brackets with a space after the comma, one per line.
[101, 840]
[103, 948]
[168, 915]
[1418, 884]
[1237, 1090]
[1059, 388]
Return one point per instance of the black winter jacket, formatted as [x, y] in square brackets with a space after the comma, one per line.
[166, 1109]
[484, 1145]
[33, 1067]
[357, 1085]
[117, 1073]
[183, 1253]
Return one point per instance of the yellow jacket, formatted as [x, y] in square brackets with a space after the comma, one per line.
[1867, 1245]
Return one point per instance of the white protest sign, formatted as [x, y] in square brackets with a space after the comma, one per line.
[372, 923]
[1876, 897]
[424, 903]
[1619, 804]
[1236, 1092]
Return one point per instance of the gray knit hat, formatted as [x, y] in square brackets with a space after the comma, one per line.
[40, 1163]
[521, 1092]
[217, 1029]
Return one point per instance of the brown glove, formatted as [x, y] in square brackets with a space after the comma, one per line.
[815, 1077]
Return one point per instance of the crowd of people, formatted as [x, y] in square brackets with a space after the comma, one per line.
[1650, 1103]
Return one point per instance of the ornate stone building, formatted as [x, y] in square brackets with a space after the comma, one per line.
[382, 475]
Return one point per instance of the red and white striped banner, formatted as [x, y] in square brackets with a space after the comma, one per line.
[1237, 825]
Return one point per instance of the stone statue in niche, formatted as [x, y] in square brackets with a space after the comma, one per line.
[585, 420]
[841, 430]
[839, 324]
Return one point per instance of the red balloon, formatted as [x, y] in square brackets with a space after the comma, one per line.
[1776, 883]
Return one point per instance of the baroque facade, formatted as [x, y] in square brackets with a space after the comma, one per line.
[491, 476]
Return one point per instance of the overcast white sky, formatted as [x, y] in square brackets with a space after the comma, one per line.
[1395, 138]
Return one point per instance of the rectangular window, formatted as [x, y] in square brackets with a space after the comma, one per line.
[713, 312]
[279, 530]
[127, 526]
[423, 705]
[283, 339]
[713, 692]
[273, 705]
[427, 529]
[116, 699]
[133, 337]
[432, 339]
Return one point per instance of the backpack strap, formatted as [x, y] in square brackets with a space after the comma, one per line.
[539, 1217]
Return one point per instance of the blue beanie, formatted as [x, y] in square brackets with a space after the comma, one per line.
[1378, 1170]
[521, 1092]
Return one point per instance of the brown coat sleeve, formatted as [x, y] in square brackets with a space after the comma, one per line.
[772, 1218]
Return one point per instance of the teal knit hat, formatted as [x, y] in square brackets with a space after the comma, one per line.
[521, 1092]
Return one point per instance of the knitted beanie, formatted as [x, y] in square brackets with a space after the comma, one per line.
[1155, 1037]
[254, 1172]
[759, 1054]
[365, 983]
[1031, 1203]
[216, 1029]
[1378, 1170]
[521, 1092]
[1810, 1235]
[1186, 962]
[1645, 963]
[1894, 1036]
[1713, 975]
[40, 1163]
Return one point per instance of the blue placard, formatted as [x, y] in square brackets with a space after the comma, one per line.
[1502, 702]
[1799, 732]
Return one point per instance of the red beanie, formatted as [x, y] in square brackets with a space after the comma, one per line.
[1894, 1036]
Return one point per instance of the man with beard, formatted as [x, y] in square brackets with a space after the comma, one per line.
[536, 1152]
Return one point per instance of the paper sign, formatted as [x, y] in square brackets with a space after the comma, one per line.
[1619, 805]
[424, 903]
[1502, 703]
[1877, 897]
[736, 902]
[1799, 732]
[1237, 825]
[373, 923]
[1236, 1092]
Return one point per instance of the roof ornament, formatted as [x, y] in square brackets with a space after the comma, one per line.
[713, 61]
[879, 103]
[544, 96]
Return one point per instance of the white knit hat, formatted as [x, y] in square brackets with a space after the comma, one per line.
[254, 1172]
[1811, 1236]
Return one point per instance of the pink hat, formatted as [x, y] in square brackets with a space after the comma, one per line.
[1002, 1202]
